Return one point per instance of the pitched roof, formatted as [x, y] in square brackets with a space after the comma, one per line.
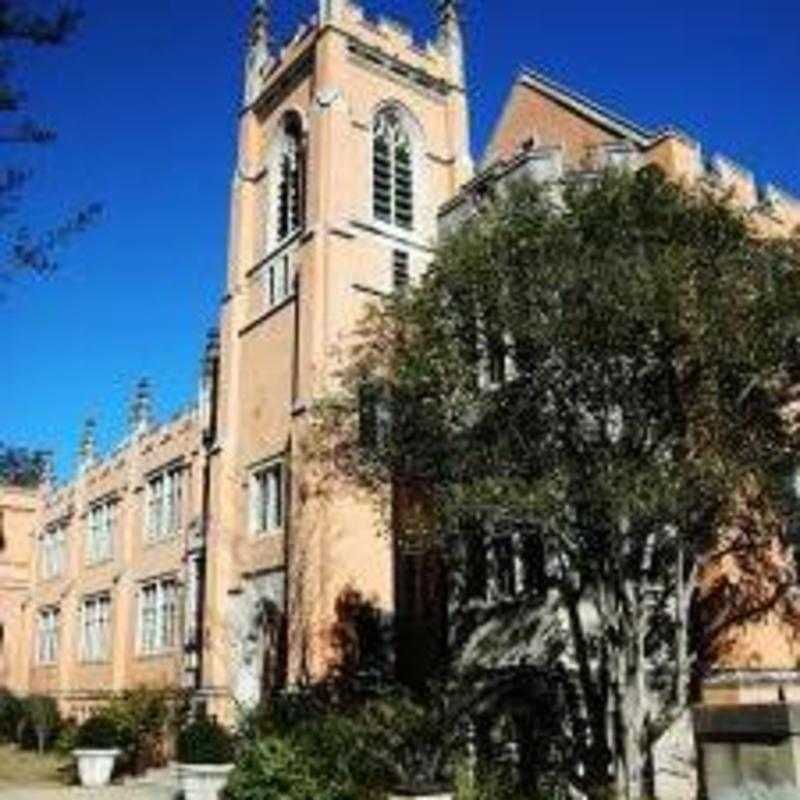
[587, 108]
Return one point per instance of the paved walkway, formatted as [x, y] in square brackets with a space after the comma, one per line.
[159, 785]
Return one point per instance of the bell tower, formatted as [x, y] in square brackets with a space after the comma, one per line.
[351, 136]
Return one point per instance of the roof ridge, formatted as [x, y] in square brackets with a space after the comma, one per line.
[529, 75]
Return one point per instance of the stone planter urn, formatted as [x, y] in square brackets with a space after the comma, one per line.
[422, 793]
[95, 766]
[203, 781]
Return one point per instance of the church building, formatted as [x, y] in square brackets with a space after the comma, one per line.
[206, 552]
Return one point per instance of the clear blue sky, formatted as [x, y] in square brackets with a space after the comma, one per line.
[145, 102]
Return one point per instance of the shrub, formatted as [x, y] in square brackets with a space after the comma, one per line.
[307, 750]
[414, 739]
[100, 732]
[146, 718]
[65, 743]
[275, 769]
[205, 741]
[12, 711]
[40, 722]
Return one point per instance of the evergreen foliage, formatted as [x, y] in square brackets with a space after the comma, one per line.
[21, 467]
[99, 732]
[205, 741]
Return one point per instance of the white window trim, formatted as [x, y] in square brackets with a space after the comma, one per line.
[53, 552]
[416, 138]
[280, 266]
[166, 521]
[160, 645]
[100, 529]
[48, 636]
[274, 511]
[272, 185]
[96, 649]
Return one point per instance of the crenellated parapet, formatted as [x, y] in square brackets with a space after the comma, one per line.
[542, 112]
[386, 41]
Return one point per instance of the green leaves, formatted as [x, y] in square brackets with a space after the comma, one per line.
[605, 362]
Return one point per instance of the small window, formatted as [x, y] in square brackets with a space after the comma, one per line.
[278, 281]
[100, 533]
[53, 552]
[400, 270]
[392, 170]
[158, 617]
[267, 498]
[47, 636]
[96, 628]
[165, 503]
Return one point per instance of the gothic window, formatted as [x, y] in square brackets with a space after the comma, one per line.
[290, 178]
[392, 170]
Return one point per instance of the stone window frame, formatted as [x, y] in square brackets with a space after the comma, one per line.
[401, 123]
[266, 517]
[48, 635]
[164, 615]
[164, 521]
[53, 551]
[96, 621]
[286, 184]
[101, 525]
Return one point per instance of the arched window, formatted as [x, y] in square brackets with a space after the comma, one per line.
[289, 212]
[392, 170]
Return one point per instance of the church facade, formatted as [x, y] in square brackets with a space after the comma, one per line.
[205, 552]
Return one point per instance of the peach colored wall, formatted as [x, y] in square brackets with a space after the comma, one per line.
[331, 542]
[17, 516]
[122, 476]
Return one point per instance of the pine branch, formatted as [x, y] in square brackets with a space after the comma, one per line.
[18, 22]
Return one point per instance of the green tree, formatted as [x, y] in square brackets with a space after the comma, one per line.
[23, 26]
[602, 366]
[22, 467]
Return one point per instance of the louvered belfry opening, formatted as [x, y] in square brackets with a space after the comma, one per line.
[393, 174]
[290, 190]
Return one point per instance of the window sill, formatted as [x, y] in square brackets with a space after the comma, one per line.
[52, 579]
[101, 563]
[407, 237]
[159, 656]
[265, 315]
[105, 662]
[170, 539]
[267, 534]
[276, 250]
[48, 667]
